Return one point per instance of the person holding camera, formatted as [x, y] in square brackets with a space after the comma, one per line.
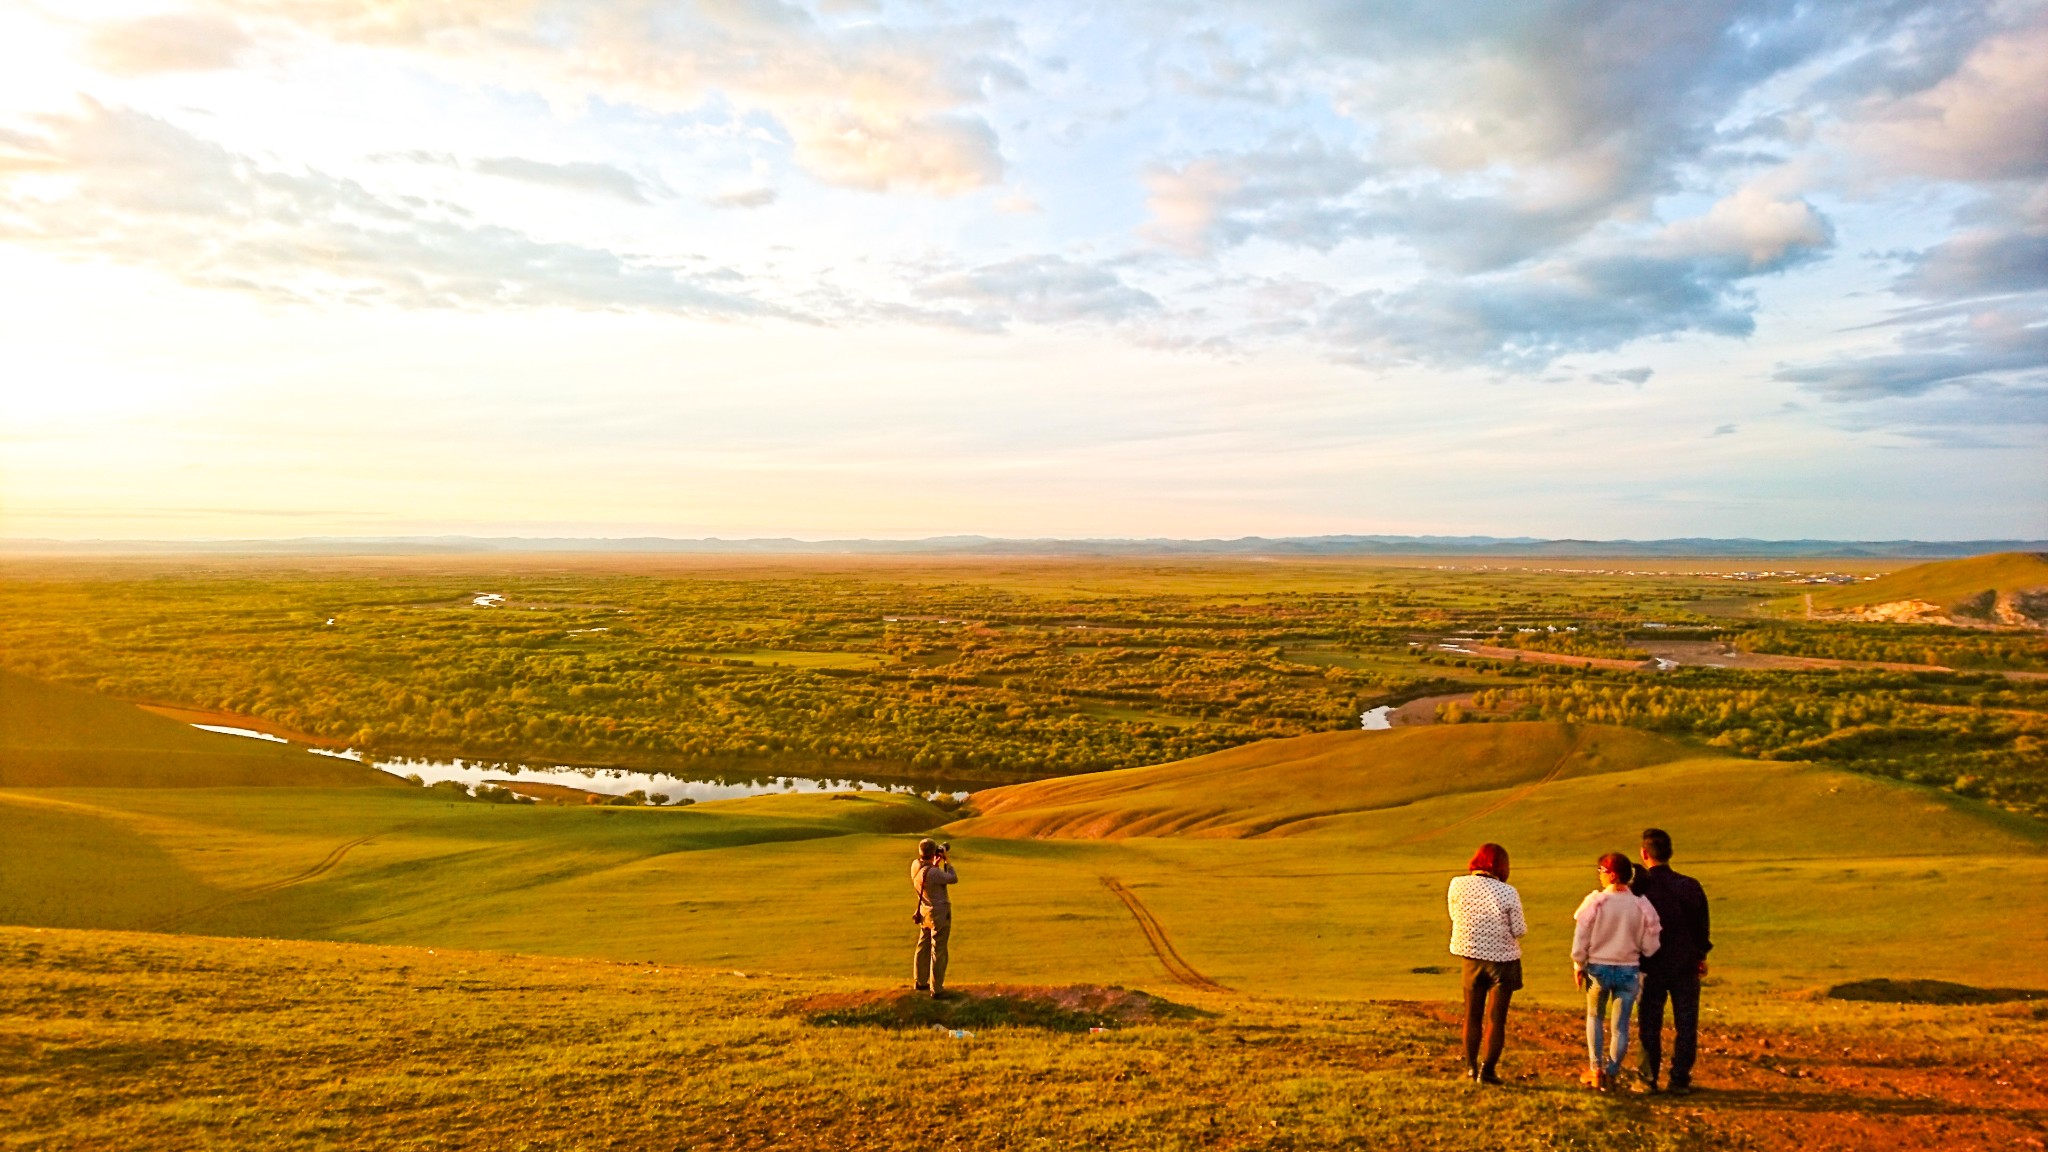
[931, 874]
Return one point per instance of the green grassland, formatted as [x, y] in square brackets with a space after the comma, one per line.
[967, 672]
[227, 966]
[1311, 866]
[52, 735]
[117, 1040]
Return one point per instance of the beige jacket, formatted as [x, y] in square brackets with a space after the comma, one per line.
[930, 882]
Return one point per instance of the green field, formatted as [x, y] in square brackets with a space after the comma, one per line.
[629, 971]
[209, 940]
[1308, 867]
[52, 735]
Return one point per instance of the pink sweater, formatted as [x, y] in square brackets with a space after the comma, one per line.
[1614, 928]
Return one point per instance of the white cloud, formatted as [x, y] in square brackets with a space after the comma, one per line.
[1987, 121]
[167, 42]
[1040, 290]
[867, 105]
[114, 183]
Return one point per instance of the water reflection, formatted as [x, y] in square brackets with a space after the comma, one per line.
[608, 781]
[618, 781]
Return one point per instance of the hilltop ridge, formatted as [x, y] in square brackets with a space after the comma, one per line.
[2009, 588]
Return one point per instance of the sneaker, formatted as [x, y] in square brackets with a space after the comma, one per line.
[1593, 1078]
[942, 994]
[1680, 1090]
[1488, 1076]
[924, 987]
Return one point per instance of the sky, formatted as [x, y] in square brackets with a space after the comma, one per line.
[867, 268]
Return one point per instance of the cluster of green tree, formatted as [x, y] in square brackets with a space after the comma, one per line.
[1902, 644]
[1597, 645]
[1979, 735]
[838, 677]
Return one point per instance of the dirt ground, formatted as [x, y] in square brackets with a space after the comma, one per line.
[1776, 1089]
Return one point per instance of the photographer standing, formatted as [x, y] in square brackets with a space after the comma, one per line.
[931, 874]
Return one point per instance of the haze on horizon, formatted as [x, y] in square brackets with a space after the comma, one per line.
[862, 268]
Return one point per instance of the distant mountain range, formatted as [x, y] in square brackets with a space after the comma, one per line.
[1504, 546]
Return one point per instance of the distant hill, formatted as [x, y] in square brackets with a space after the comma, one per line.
[1529, 546]
[2002, 588]
[56, 737]
[1259, 788]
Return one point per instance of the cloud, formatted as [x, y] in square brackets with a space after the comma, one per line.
[169, 42]
[1723, 430]
[946, 154]
[743, 198]
[1978, 325]
[1291, 190]
[1502, 132]
[1634, 376]
[2002, 249]
[1977, 350]
[116, 184]
[1687, 276]
[1986, 121]
[866, 104]
[576, 176]
[1040, 290]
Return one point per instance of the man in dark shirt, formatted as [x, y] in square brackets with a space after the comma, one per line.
[1675, 970]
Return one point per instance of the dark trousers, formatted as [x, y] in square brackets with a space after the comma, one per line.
[1489, 987]
[1683, 990]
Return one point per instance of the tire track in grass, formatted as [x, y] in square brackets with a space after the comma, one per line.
[327, 864]
[1162, 947]
[1519, 794]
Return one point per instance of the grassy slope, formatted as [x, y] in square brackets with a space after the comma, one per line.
[55, 737]
[119, 1040]
[1276, 785]
[1943, 582]
[1818, 877]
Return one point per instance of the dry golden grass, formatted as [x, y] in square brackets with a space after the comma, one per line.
[136, 1041]
[1275, 785]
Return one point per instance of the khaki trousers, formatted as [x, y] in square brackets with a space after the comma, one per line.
[932, 936]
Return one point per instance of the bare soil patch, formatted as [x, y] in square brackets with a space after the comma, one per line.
[1930, 992]
[1769, 1088]
[1068, 1008]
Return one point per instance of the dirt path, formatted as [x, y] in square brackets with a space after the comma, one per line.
[1556, 770]
[169, 923]
[1533, 656]
[1162, 947]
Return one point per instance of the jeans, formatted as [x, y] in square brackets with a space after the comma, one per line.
[1609, 986]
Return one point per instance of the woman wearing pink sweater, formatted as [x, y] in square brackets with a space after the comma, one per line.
[1615, 929]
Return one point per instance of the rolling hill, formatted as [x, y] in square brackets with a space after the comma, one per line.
[57, 737]
[1282, 785]
[1999, 588]
[1309, 866]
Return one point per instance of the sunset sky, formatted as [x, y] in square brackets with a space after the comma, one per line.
[278, 268]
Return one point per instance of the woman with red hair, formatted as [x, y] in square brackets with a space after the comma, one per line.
[1486, 932]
